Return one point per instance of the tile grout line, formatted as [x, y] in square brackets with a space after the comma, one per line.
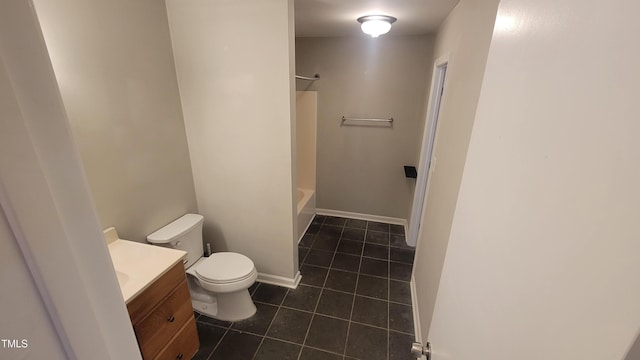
[210, 357]
[313, 315]
[294, 343]
[366, 242]
[270, 324]
[389, 297]
[388, 279]
[320, 314]
[367, 257]
[338, 291]
[390, 247]
[353, 302]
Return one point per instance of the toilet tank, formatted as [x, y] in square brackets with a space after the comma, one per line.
[184, 234]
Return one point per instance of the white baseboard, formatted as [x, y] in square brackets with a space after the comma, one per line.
[368, 217]
[417, 329]
[280, 280]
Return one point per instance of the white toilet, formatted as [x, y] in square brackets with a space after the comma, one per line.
[218, 283]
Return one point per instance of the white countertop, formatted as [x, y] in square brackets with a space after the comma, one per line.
[138, 265]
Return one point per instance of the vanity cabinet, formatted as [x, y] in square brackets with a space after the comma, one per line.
[162, 318]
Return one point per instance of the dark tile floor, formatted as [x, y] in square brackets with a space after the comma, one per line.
[353, 302]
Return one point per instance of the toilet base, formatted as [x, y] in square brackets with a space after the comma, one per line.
[209, 309]
[235, 306]
[232, 306]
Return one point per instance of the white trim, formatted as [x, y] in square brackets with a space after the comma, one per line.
[417, 329]
[32, 266]
[305, 229]
[367, 217]
[427, 162]
[307, 212]
[280, 280]
[360, 216]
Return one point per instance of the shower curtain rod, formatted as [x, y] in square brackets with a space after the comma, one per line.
[314, 78]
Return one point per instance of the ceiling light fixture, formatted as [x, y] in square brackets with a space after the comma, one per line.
[376, 25]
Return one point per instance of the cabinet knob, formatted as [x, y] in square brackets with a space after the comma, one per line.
[171, 319]
[179, 356]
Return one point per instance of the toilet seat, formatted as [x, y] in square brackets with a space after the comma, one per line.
[225, 268]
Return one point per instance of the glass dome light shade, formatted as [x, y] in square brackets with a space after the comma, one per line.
[376, 25]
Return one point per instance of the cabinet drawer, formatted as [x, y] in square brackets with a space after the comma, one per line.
[155, 330]
[184, 346]
[142, 304]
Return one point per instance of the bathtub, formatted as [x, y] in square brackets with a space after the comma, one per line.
[306, 210]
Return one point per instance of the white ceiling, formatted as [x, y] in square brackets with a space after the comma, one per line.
[338, 17]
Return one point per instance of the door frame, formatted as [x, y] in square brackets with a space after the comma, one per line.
[427, 161]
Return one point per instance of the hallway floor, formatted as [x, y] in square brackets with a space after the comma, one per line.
[354, 301]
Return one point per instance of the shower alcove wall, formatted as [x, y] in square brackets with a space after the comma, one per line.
[306, 118]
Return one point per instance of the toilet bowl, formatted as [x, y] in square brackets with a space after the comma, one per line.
[219, 283]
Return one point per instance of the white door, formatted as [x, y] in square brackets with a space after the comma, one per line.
[426, 153]
[543, 256]
[27, 329]
[59, 290]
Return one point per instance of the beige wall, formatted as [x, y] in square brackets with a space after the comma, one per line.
[542, 260]
[306, 129]
[360, 169]
[238, 96]
[114, 66]
[464, 36]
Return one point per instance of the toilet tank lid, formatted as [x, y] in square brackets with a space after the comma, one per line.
[176, 229]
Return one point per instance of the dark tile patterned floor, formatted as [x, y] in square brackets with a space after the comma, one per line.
[353, 302]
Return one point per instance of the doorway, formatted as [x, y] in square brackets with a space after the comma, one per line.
[426, 153]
